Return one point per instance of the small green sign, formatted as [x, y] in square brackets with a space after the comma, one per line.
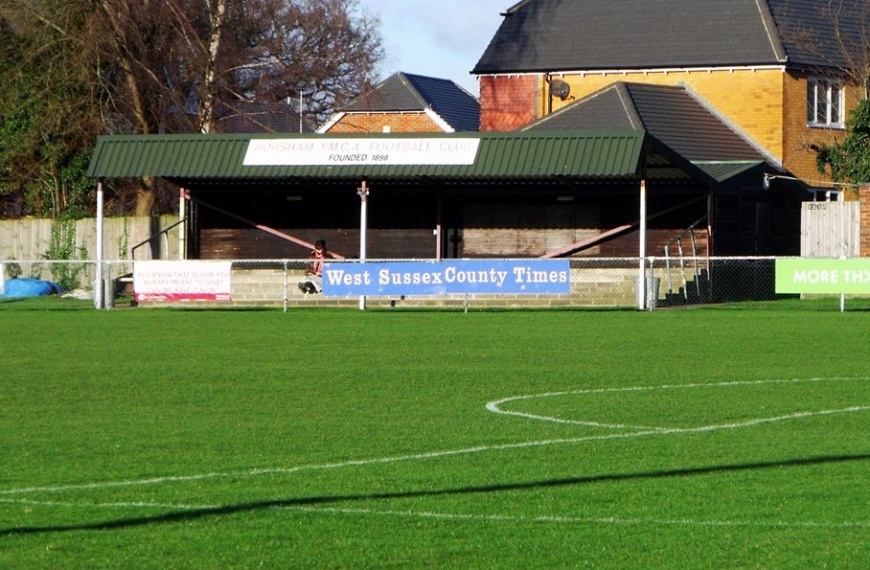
[821, 276]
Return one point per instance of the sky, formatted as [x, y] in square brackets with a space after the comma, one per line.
[441, 38]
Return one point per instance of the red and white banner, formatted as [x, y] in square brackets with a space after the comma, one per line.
[182, 280]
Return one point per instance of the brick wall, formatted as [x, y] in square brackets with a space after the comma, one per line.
[798, 156]
[508, 103]
[375, 123]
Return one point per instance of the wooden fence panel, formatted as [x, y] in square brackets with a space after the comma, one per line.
[830, 229]
[30, 239]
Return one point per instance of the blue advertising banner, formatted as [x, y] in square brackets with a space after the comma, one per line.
[535, 276]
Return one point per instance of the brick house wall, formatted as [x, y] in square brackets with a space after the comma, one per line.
[798, 155]
[376, 123]
[508, 103]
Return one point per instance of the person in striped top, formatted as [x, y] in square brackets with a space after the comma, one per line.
[313, 282]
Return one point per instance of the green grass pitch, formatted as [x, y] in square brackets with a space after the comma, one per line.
[730, 437]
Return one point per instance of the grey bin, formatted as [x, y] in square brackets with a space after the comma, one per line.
[108, 293]
[652, 292]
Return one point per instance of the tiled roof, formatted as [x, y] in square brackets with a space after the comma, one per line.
[260, 118]
[405, 92]
[811, 32]
[670, 114]
[571, 35]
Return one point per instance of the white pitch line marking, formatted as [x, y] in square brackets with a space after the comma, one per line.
[581, 520]
[495, 406]
[466, 451]
[124, 505]
[414, 457]
[548, 519]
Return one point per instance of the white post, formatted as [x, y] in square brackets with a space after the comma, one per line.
[98, 286]
[182, 225]
[363, 192]
[641, 294]
[438, 253]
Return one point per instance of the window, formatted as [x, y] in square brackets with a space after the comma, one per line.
[824, 103]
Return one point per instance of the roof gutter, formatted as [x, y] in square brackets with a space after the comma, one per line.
[636, 71]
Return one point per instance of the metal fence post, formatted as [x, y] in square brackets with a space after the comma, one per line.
[286, 279]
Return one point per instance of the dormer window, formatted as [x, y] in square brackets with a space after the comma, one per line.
[824, 103]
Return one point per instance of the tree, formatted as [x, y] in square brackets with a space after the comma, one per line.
[849, 161]
[48, 117]
[169, 66]
[212, 56]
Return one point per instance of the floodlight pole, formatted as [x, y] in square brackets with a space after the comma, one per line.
[363, 192]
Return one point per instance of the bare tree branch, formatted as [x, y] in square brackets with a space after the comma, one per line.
[162, 66]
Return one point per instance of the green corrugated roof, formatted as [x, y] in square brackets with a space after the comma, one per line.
[721, 171]
[519, 155]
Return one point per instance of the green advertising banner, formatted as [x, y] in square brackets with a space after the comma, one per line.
[823, 276]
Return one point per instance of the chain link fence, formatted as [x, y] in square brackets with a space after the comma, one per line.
[595, 282]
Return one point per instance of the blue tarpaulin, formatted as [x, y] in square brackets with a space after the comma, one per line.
[30, 288]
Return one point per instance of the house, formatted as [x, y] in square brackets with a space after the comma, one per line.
[411, 104]
[782, 74]
[777, 71]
